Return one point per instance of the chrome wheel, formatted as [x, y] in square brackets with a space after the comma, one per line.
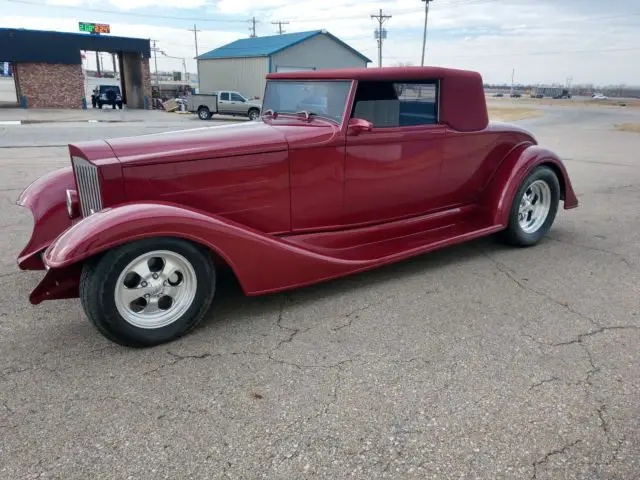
[254, 114]
[155, 289]
[535, 205]
[203, 113]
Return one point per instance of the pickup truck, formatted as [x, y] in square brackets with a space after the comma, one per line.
[223, 102]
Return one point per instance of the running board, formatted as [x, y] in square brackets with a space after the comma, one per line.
[396, 240]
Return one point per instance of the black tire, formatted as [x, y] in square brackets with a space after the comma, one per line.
[514, 233]
[204, 113]
[100, 105]
[254, 114]
[98, 286]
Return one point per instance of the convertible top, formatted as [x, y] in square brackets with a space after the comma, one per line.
[373, 74]
[462, 101]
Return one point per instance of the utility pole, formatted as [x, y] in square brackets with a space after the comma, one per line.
[424, 35]
[113, 59]
[154, 49]
[513, 75]
[380, 34]
[280, 30]
[252, 28]
[98, 63]
[195, 37]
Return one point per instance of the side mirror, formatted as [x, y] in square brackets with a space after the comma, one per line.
[358, 125]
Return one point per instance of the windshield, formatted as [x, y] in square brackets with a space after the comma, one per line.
[326, 99]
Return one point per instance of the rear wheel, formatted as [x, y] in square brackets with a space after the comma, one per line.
[148, 292]
[534, 208]
[204, 113]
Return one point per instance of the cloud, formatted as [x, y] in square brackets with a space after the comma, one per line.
[544, 40]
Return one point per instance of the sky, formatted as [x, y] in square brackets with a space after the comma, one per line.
[543, 41]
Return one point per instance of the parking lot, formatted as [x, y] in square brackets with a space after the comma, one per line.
[477, 361]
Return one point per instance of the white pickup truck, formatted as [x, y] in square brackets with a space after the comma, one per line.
[223, 102]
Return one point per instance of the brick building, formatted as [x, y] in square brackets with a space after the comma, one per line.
[48, 66]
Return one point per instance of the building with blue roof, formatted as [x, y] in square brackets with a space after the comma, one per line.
[243, 65]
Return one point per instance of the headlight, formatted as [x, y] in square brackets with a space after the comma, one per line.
[72, 203]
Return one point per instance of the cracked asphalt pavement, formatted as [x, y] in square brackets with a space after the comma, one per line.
[477, 361]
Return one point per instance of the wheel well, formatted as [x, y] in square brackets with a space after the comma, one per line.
[219, 262]
[203, 107]
[555, 169]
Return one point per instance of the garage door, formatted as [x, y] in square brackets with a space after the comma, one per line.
[293, 69]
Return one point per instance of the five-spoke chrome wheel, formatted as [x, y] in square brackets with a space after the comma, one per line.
[534, 206]
[155, 289]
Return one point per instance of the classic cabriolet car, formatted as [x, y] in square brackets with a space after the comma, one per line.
[394, 162]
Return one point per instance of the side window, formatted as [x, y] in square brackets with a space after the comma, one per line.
[397, 104]
[418, 103]
[224, 96]
[236, 98]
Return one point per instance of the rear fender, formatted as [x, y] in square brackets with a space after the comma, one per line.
[261, 263]
[503, 186]
[47, 201]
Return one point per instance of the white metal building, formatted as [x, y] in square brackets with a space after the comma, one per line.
[242, 65]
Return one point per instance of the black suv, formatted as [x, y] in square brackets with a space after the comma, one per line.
[106, 95]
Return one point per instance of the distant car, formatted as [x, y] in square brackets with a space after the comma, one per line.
[106, 95]
[515, 95]
[599, 96]
[499, 95]
[539, 95]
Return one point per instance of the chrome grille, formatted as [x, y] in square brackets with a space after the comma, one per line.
[88, 186]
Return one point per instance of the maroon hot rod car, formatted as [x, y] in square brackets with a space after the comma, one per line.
[346, 170]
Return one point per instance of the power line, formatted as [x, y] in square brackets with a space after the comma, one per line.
[126, 14]
[526, 54]
[280, 23]
[380, 33]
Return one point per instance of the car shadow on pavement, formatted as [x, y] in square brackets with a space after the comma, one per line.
[230, 301]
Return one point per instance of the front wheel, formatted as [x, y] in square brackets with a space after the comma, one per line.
[254, 114]
[534, 208]
[148, 292]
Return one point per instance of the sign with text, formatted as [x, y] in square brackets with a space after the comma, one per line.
[95, 28]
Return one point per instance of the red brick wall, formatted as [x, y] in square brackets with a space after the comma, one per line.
[48, 85]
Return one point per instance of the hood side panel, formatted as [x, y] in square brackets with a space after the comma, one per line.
[249, 189]
[198, 144]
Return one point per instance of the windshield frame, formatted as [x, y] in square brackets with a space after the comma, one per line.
[348, 97]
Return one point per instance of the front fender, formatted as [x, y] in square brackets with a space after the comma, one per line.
[503, 186]
[261, 263]
[47, 201]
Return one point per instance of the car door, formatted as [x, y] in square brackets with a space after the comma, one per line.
[393, 171]
[237, 104]
[224, 103]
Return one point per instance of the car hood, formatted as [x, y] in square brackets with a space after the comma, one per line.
[199, 143]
